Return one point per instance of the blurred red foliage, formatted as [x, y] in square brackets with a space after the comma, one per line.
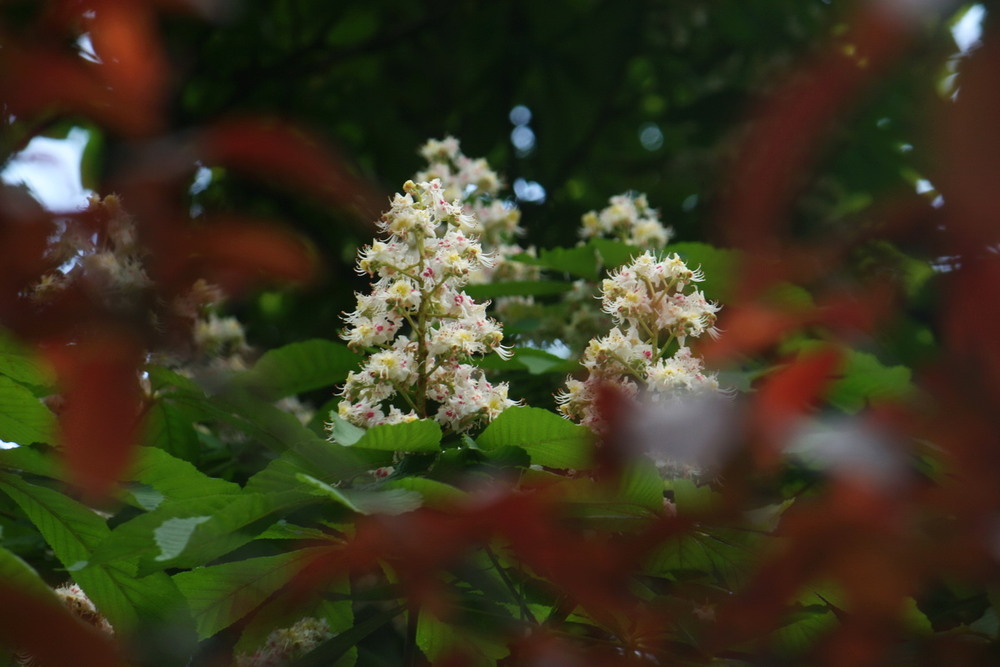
[98, 351]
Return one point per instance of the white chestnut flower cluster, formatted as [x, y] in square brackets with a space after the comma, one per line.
[653, 306]
[627, 218]
[472, 181]
[423, 326]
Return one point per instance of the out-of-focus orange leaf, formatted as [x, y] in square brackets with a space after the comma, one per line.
[50, 633]
[125, 40]
[748, 329]
[788, 393]
[970, 147]
[290, 157]
[233, 253]
[100, 418]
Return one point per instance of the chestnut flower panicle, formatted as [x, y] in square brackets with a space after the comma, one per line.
[653, 305]
[628, 218]
[423, 327]
[477, 186]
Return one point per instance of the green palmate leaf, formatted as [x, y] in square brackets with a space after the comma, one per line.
[614, 253]
[15, 571]
[299, 367]
[440, 641]
[23, 418]
[864, 378]
[691, 498]
[282, 432]
[805, 627]
[641, 485]
[535, 361]
[20, 363]
[344, 432]
[175, 478]
[170, 428]
[579, 261]
[719, 265]
[723, 556]
[388, 501]
[422, 435]
[32, 460]
[433, 493]
[191, 532]
[548, 439]
[73, 531]
[518, 288]
[220, 595]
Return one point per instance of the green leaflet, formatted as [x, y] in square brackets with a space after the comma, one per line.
[517, 288]
[422, 435]
[549, 439]
[865, 378]
[535, 361]
[382, 501]
[719, 265]
[23, 418]
[805, 627]
[15, 571]
[175, 478]
[191, 532]
[299, 367]
[170, 429]
[433, 493]
[723, 556]
[439, 641]
[220, 595]
[32, 460]
[73, 531]
[614, 253]
[20, 363]
[579, 261]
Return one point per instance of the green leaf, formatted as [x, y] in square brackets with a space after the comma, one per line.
[718, 264]
[614, 253]
[865, 378]
[805, 627]
[344, 432]
[691, 498]
[579, 261]
[422, 435]
[549, 439]
[299, 367]
[31, 460]
[15, 571]
[641, 484]
[440, 641]
[220, 595]
[170, 428]
[724, 556]
[532, 359]
[388, 501]
[175, 478]
[517, 288]
[194, 531]
[23, 418]
[433, 493]
[20, 363]
[73, 531]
